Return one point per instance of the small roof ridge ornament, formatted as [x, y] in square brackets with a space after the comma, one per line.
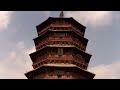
[61, 14]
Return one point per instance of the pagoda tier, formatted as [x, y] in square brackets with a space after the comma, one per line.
[58, 37]
[61, 23]
[60, 50]
[51, 54]
[59, 71]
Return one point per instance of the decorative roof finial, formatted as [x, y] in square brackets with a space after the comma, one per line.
[61, 14]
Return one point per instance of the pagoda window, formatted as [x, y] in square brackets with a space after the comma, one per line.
[60, 51]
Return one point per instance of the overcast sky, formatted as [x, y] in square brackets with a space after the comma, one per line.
[18, 28]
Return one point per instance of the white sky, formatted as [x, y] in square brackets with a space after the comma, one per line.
[18, 28]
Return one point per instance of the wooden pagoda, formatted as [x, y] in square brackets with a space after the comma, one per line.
[60, 50]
